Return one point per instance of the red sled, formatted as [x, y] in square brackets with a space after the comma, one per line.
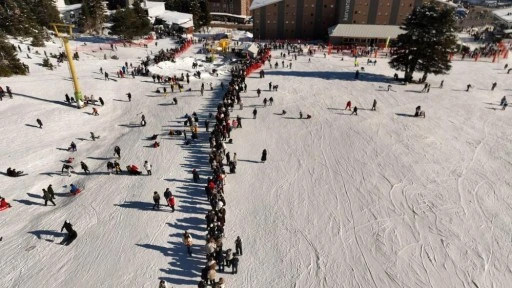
[4, 208]
[76, 192]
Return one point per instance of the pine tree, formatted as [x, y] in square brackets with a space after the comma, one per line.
[195, 10]
[37, 40]
[205, 17]
[93, 16]
[427, 42]
[45, 12]
[9, 62]
[130, 23]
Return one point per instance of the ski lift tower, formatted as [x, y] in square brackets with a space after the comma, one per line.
[65, 35]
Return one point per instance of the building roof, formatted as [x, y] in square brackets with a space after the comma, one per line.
[261, 3]
[365, 31]
[504, 14]
[172, 17]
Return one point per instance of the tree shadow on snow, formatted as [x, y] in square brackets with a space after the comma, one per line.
[330, 75]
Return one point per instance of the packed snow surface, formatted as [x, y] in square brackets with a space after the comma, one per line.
[381, 199]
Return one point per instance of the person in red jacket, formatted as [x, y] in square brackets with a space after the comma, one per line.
[172, 202]
[349, 106]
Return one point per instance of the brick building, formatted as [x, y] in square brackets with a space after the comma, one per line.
[236, 7]
[310, 19]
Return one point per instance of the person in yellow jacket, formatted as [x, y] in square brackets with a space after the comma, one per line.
[187, 240]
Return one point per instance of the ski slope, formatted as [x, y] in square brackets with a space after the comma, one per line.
[381, 199]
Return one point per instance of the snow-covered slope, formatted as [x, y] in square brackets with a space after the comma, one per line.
[375, 200]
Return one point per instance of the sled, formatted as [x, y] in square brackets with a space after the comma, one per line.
[78, 191]
[4, 208]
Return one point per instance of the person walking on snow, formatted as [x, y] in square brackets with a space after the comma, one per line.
[167, 195]
[117, 151]
[355, 111]
[129, 96]
[40, 123]
[84, 167]
[494, 84]
[257, 92]
[270, 101]
[238, 245]
[156, 199]
[374, 105]
[172, 202]
[264, 155]
[254, 113]
[47, 197]
[187, 240]
[147, 166]
[349, 106]
[50, 191]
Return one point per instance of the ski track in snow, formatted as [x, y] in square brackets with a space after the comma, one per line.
[374, 200]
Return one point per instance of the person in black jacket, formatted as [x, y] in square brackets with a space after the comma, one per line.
[40, 123]
[238, 245]
[84, 167]
[71, 233]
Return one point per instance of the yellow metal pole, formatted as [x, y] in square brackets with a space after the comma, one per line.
[71, 63]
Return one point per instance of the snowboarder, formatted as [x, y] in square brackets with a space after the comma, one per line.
[195, 176]
[156, 199]
[238, 245]
[147, 166]
[187, 240]
[40, 123]
[264, 155]
[84, 167]
[374, 105]
[117, 151]
[47, 197]
[254, 113]
[71, 233]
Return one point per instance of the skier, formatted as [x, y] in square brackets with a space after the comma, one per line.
[187, 240]
[264, 155]
[84, 167]
[147, 166]
[348, 106]
[355, 111]
[374, 105]
[254, 113]
[195, 176]
[47, 197]
[71, 233]
[494, 84]
[50, 191]
[156, 199]
[40, 123]
[129, 96]
[238, 245]
[117, 151]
